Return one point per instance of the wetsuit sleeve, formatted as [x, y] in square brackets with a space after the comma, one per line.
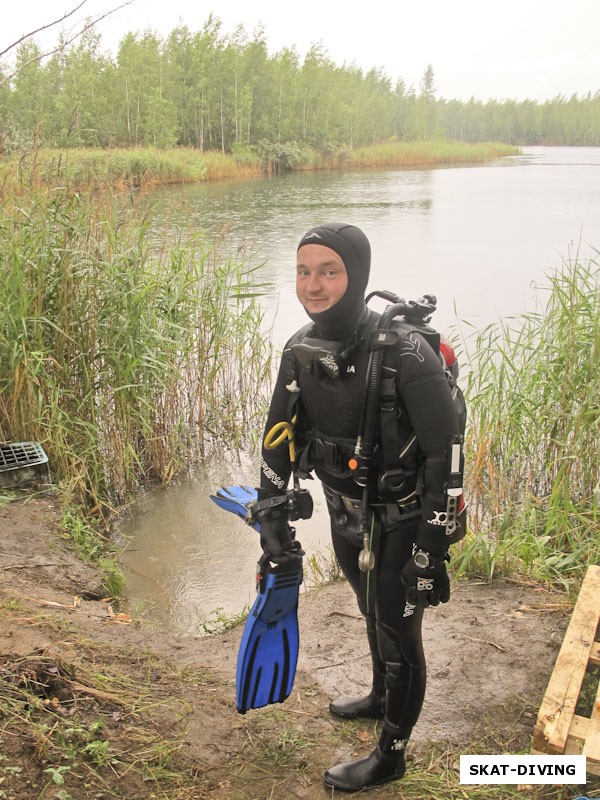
[426, 396]
[275, 466]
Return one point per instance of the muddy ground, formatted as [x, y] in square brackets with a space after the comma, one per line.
[169, 728]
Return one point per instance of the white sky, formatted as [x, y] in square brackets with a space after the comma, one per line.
[478, 48]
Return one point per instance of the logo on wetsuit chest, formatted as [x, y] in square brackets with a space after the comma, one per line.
[332, 367]
[411, 346]
[329, 364]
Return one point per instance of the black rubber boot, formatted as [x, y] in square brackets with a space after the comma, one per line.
[371, 706]
[368, 707]
[386, 763]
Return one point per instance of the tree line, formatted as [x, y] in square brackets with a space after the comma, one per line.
[210, 90]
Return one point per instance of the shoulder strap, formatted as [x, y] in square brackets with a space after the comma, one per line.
[393, 451]
[388, 426]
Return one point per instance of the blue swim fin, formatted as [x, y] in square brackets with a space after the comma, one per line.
[236, 499]
[268, 652]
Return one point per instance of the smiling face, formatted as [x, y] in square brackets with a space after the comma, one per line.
[321, 277]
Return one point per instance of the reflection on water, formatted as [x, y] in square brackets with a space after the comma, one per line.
[480, 238]
[188, 558]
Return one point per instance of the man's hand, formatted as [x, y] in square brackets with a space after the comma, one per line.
[276, 535]
[426, 580]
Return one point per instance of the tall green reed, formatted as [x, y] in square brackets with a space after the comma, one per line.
[416, 153]
[83, 169]
[124, 356]
[533, 391]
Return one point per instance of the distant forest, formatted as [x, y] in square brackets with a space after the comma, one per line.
[212, 91]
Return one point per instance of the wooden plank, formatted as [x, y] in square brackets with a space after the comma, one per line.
[576, 737]
[558, 706]
[595, 654]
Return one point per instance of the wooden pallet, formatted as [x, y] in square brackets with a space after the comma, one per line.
[559, 730]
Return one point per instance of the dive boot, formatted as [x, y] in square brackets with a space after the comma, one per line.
[369, 707]
[386, 763]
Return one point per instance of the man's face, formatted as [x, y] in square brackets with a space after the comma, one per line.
[321, 277]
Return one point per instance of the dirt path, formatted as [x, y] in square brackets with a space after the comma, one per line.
[490, 653]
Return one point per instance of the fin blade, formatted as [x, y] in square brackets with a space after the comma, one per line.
[268, 651]
[236, 499]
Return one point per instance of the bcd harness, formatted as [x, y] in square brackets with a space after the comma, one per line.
[371, 452]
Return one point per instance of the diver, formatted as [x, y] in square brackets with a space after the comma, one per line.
[388, 452]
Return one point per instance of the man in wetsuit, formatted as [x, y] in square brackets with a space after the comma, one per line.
[326, 394]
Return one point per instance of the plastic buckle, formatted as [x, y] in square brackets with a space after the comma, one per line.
[392, 480]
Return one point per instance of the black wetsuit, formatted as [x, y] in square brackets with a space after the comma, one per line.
[329, 410]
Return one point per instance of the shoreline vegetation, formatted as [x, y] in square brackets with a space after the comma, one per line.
[124, 353]
[82, 169]
[533, 437]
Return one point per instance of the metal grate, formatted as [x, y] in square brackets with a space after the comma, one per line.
[21, 454]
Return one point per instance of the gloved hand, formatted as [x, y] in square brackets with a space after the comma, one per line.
[426, 585]
[276, 535]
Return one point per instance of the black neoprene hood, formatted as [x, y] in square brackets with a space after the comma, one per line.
[352, 246]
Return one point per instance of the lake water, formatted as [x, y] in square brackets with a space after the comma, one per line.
[481, 238]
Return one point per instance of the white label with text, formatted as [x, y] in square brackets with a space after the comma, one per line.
[522, 769]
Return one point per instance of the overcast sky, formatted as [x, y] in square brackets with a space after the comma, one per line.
[478, 48]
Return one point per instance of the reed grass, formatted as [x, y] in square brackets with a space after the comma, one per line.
[411, 154]
[534, 436]
[124, 168]
[124, 356]
[146, 168]
[321, 569]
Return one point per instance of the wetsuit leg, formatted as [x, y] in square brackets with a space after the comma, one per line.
[400, 645]
[397, 651]
[399, 629]
[347, 556]
[347, 553]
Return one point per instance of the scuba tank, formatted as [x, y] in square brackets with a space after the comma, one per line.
[380, 399]
[416, 312]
